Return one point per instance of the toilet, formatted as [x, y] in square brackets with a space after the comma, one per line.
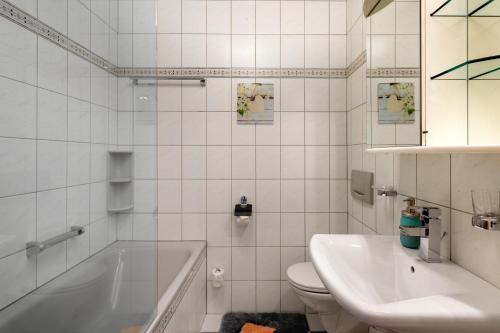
[312, 292]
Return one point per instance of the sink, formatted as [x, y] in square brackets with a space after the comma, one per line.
[390, 287]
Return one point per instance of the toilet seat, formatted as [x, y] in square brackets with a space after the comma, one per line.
[303, 276]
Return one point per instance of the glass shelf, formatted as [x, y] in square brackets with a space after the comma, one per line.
[493, 149]
[487, 68]
[471, 8]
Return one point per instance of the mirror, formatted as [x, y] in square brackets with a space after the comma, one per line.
[462, 74]
[444, 57]
[393, 75]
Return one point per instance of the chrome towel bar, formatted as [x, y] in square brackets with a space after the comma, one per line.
[203, 81]
[33, 248]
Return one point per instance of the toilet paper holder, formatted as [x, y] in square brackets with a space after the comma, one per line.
[243, 211]
[217, 277]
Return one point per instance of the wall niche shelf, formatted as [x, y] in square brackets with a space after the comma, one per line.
[123, 180]
[437, 150]
[121, 210]
[487, 68]
[120, 181]
[468, 8]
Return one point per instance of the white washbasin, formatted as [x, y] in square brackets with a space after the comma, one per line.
[387, 286]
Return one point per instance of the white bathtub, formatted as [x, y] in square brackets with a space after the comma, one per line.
[118, 288]
[182, 288]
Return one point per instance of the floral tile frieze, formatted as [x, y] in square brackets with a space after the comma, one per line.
[356, 64]
[25, 20]
[232, 72]
[393, 72]
[34, 25]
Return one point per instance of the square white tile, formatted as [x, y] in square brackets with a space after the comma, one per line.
[317, 19]
[292, 229]
[218, 17]
[194, 48]
[292, 17]
[292, 51]
[268, 196]
[317, 128]
[268, 263]
[243, 49]
[268, 17]
[268, 51]
[292, 162]
[194, 16]
[268, 162]
[243, 17]
[243, 162]
[218, 51]
[317, 162]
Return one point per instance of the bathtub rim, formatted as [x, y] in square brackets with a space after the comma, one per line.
[169, 301]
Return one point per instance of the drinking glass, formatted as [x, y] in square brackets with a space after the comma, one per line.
[486, 203]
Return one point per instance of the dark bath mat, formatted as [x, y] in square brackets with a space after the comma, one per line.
[283, 322]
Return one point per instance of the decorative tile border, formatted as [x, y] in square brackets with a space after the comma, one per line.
[356, 64]
[338, 73]
[25, 20]
[36, 26]
[231, 72]
[393, 72]
[381, 72]
[169, 312]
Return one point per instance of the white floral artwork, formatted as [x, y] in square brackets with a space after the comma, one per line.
[396, 103]
[255, 102]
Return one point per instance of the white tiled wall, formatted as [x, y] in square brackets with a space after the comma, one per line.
[357, 117]
[379, 36]
[444, 180]
[137, 116]
[57, 120]
[393, 41]
[60, 116]
[293, 171]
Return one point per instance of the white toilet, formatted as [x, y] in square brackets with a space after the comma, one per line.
[311, 291]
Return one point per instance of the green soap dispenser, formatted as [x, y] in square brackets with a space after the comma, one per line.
[410, 218]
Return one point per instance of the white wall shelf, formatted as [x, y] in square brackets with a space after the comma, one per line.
[437, 150]
[124, 152]
[121, 209]
[120, 181]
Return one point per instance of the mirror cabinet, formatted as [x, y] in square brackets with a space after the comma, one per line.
[444, 55]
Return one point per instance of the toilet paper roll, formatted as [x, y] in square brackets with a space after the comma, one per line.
[217, 277]
[242, 220]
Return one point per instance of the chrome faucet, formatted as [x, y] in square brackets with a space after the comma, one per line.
[429, 232]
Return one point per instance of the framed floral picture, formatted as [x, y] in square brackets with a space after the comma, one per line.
[396, 103]
[255, 102]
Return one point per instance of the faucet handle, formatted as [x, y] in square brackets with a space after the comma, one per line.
[428, 212]
[431, 212]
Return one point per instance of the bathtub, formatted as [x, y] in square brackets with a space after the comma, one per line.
[116, 290]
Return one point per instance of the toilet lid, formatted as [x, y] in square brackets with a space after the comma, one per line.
[303, 276]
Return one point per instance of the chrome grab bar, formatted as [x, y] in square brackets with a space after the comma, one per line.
[35, 247]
